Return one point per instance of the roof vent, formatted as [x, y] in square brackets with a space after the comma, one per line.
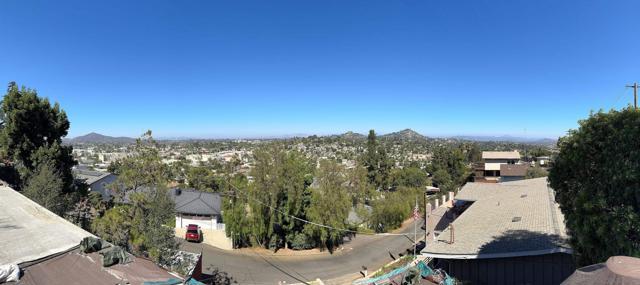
[523, 195]
[178, 192]
[516, 219]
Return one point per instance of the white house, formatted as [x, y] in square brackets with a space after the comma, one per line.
[199, 208]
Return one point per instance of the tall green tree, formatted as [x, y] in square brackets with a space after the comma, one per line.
[330, 205]
[596, 178]
[143, 178]
[143, 169]
[45, 188]
[280, 191]
[409, 177]
[377, 162]
[358, 186]
[31, 133]
[449, 167]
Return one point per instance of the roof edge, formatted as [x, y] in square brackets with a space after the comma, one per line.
[499, 255]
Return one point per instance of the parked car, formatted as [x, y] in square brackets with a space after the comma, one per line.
[193, 233]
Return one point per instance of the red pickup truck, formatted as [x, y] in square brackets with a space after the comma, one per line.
[193, 233]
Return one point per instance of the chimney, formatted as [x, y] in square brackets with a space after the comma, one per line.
[452, 235]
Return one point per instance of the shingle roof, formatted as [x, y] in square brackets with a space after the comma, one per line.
[501, 154]
[90, 176]
[190, 201]
[513, 169]
[516, 218]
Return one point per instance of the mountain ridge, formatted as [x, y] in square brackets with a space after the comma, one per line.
[94, 137]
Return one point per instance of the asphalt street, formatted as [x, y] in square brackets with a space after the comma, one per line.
[341, 267]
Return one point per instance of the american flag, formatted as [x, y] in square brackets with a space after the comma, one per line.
[416, 213]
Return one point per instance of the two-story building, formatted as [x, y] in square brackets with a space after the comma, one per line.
[494, 163]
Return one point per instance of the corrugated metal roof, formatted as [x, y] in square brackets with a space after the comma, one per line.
[77, 268]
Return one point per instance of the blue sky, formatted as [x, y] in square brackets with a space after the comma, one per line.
[271, 68]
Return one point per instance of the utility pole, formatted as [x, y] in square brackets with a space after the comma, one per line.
[635, 94]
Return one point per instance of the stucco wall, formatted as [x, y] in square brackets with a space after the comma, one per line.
[204, 222]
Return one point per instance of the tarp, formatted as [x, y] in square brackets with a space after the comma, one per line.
[90, 244]
[436, 276]
[9, 272]
[114, 255]
[170, 281]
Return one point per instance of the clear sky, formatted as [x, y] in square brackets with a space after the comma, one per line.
[270, 68]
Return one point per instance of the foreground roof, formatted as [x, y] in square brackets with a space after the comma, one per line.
[190, 201]
[77, 268]
[508, 219]
[501, 154]
[29, 231]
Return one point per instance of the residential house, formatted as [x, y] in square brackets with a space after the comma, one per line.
[512, 233]
[490, 168]
[203, 209]
[197, 207]
[97, 181]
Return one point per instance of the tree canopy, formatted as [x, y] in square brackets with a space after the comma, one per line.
[377, 162]
[32, 128]
[596, 178]
[141, 225]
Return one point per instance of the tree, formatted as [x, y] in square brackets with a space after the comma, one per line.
[143, 179]
[535, 172]
[235, 214]
[143, 169]
[409, 177]
[449, 168]
[330, 205]
[390, 212]
[596, 179]
[45, 188]
[280, 192]
[32, 128]
[358, 185]
[114, 225]
[377, 162]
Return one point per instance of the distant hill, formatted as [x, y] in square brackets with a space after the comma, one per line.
[405, 135]
[541, 141]
[98, 138]
[352, 136]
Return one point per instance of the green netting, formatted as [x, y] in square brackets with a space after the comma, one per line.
[115, 255]
[425, 271]
[90, 244]
[170, 281]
